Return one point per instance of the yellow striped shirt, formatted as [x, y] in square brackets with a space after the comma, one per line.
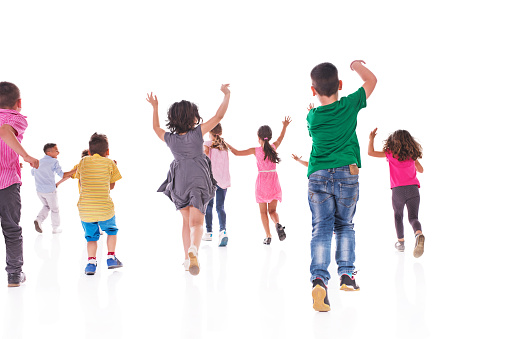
[95, 173]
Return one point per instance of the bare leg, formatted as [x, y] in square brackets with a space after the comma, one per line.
[263, 210]
[185, 231]
[91, 248]
[196, 219]
[272, 210]
[111, 242]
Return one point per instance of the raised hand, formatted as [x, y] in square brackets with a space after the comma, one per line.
[373, 134]
[351, 66]
[311, 106]
[152, 99]
[286, 122]
[296, 157]
[225, 89]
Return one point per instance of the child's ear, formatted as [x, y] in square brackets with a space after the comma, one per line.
[314, 93]
[340, 85]
[18, 105]
[107, 152]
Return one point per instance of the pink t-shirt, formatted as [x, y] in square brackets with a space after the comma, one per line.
[402, 173]
[220, 165]
[10, 171]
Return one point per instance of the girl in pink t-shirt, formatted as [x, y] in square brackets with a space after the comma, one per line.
[217, 150]
[268, 190]
[402, 153]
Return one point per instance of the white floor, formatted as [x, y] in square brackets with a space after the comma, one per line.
[249, 290]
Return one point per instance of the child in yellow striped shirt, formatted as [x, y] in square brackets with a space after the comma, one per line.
[97, 176]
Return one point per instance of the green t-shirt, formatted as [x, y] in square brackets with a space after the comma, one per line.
[333, 131]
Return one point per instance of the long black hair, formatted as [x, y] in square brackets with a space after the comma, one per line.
[182, 117]
[265, 134]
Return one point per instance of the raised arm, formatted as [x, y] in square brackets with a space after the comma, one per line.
[285, 124]
[210, 124]
[8, 135]
[367, 76]
[152, 99]
[372, 152]
[241, 153]
[299, 159]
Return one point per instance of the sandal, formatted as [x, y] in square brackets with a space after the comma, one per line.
[280, 231]
[267, 241]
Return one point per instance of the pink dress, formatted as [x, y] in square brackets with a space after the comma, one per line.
[267, 183]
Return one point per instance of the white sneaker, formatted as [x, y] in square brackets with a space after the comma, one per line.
[186, 264]
[207, 236]
[193, 258]
[223, 238]
[57, 230]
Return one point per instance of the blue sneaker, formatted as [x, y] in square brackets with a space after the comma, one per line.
[114, 263]
[90, 269]
[223, 238]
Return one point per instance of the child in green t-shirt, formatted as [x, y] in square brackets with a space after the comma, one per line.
[333, 176]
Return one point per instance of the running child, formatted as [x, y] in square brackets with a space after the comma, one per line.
[333, 176]
[402, 153]
[97, 177]
[46, 187]
[190, 184]
[268, 190]
[12, 128]
[217, 150]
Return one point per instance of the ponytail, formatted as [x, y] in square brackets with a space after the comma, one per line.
[265, 134]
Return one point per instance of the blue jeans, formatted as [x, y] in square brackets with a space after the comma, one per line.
[220, 194]
[333, 194]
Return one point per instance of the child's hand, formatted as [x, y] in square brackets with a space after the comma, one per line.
[286, 121]
[152, 99]
[351, 66]
[296, 157]
[224, 89]
[311, 106]
[32, 161]
[373, 134]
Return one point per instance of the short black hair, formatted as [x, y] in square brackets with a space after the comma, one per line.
[9, 94]
[325, 79]
[85, 153]
[182, 117]
[48, 146]
[98, 144]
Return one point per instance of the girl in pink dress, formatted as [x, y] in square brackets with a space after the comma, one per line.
[268, 190]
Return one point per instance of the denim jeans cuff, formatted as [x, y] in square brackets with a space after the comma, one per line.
[346, 271]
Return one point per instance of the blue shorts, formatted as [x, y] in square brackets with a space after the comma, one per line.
[92, 232]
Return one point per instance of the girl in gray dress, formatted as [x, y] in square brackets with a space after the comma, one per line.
[190, 184]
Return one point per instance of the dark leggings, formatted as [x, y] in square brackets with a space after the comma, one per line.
[410, 197]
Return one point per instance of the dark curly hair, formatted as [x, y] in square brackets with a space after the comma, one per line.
[182, 117]
[403, 146]
[265, 134]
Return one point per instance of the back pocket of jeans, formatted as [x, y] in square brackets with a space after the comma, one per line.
[348, 194]
[317, 191]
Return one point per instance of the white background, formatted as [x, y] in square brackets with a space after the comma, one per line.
[86, 67]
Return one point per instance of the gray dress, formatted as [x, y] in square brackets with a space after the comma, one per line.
[190, 181]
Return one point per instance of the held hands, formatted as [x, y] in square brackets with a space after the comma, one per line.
[360, 61]
[373, 134]
[225, 89]
[311, 106]
[286, 121]
[152, 99]
[32, 161]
